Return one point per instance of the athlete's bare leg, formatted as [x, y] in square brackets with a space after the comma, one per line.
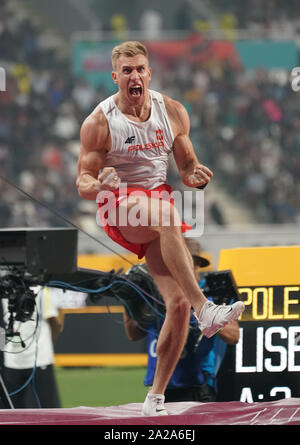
[173, 334]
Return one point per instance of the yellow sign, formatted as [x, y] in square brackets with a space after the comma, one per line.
[265, 266]
[106, 263]
[271, 303]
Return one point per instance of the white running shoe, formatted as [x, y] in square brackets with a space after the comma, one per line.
[214, 317]
[154, 405]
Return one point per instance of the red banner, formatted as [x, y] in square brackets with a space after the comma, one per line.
[195, 49]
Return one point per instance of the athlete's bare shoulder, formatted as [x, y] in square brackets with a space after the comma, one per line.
[95, 131]
[178, 116]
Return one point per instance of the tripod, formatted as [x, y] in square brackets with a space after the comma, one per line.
[4, 396]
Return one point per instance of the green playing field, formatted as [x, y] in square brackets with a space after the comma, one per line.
[100, 386]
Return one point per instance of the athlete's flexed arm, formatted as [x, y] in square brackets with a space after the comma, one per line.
[192, 173]
[94, 146]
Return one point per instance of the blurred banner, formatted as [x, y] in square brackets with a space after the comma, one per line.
[194, 49]
[268, 54]
[91, 60]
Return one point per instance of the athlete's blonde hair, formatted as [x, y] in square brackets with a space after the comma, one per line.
[129, 49]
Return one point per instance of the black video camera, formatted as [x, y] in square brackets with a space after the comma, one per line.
[21, 299]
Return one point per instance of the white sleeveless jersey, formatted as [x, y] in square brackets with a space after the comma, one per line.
[139, 150]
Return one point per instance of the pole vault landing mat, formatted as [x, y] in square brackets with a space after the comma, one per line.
[281, 412]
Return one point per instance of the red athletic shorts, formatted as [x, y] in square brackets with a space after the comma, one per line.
[113, 231]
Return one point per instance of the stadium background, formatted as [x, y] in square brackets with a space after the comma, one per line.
[229, 63]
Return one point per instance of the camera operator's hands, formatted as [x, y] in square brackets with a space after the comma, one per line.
[230, 333]
[132, 330]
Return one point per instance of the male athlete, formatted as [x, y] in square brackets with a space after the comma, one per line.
[127, 140]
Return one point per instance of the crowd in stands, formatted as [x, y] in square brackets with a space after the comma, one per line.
[245, 127]
[269, 14]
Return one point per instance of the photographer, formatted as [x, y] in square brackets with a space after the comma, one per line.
[29, 356]
[194, 378]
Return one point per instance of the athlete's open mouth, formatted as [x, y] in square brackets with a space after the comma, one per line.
[136, 91]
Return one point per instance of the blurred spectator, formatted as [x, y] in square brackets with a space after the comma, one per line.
[183, 16]
[228, 23]
[151, 24]
[83, 95]
[119, 26]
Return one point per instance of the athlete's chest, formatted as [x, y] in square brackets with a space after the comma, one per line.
[131, 137]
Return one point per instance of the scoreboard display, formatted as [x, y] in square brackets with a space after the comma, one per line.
[265, 364]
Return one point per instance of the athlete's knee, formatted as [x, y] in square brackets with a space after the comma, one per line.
[178, 309]
[175, 329]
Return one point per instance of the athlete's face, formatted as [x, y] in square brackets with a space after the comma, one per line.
[132, 75]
